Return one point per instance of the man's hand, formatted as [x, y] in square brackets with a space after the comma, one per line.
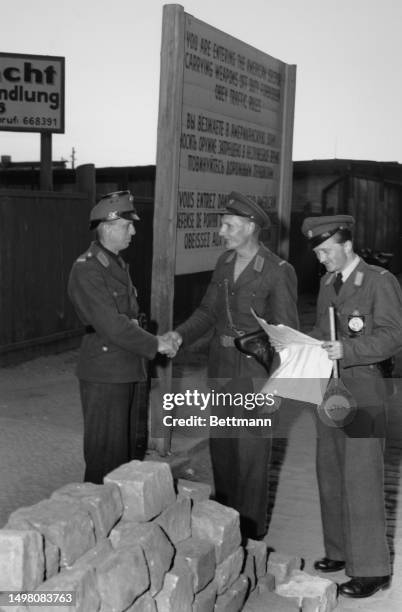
[334, 349]
[169, 343]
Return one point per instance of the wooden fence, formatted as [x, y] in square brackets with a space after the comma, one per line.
[41, 233]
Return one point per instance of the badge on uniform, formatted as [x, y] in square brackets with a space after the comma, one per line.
[356, 323]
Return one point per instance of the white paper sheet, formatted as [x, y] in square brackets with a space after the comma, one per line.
[305, 368]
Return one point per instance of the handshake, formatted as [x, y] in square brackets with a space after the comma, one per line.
[169, 343]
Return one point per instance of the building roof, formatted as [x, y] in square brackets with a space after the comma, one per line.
[390, 172]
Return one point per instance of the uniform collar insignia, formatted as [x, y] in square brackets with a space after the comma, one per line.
[358, 278]
[230, 257]
[102, 258]
[259, 263]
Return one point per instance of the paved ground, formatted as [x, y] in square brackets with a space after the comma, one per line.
[40, 450]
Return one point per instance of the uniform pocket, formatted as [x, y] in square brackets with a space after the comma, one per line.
[122, 301]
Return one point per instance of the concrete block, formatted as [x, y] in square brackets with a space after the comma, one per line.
[197, 491]
[249, 570]
[103, 502]
[315, 594]
[219, 525]
[121, 577]
[258, 550]
[282, 565]
[199, 555]
[14, 608]
[262, 602]
[177, 592]
[233, 599]
[145, 603]
[68, 527]
[22, 561]
[266, 583]
[51, 551]
[204, 600]
[146, 488]
[176, 520]
[96, 555]
[157, 549]
[229, 570]
[80, 581]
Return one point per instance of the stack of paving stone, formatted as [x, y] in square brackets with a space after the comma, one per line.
[134, 544]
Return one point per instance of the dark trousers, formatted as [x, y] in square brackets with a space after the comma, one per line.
[115, 426]
[350, 480]
[240, 468]
[240, 463]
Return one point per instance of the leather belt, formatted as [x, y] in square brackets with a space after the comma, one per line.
[91, 330]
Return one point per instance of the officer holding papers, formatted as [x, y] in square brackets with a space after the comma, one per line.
[368, 307]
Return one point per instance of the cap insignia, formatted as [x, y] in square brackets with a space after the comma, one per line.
[112, 215]
[310, 233]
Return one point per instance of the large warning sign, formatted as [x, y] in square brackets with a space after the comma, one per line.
[230, 136]
[232, 132]
[31, 93]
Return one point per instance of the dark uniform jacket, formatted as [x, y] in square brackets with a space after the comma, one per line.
[268, 284]
[105, 299]
[369, 322]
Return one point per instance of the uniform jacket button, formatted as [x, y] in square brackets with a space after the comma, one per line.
[105, 349]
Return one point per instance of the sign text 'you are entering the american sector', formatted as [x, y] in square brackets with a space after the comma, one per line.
[230, 140]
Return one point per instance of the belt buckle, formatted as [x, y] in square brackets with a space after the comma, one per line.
[227, 341]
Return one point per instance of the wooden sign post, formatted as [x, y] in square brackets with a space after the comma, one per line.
[46, 173]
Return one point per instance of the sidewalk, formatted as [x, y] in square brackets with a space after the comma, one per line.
[41, 450]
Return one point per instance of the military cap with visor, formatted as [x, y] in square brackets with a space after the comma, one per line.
[319, 229]
[241, 206]
[112, 206]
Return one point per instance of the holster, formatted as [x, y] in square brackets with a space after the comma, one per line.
[257, 345]
[143, 320]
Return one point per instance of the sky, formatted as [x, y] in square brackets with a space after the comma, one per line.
[348, 55]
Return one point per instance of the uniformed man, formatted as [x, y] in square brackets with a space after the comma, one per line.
[115, 348]
[247, 275]
[368, 302]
